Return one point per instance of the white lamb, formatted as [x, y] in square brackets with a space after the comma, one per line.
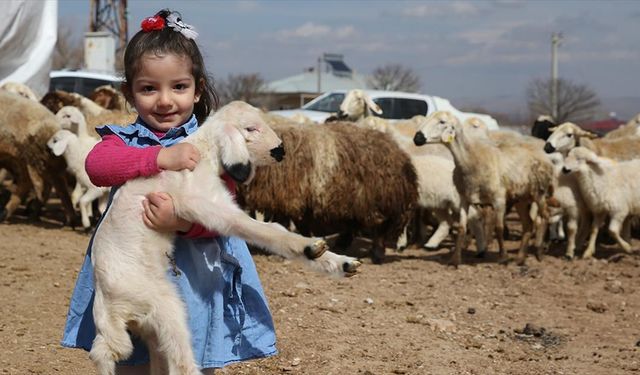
[609, 188]
[74, 149]
[130, 260]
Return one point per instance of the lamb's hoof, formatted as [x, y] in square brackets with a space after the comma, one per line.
[454, 262]
[504, 260]
[351, 268]
[521, 261]
[430, 247]
[568, 258]
[481, 254]
[401, 249]
[316, 250]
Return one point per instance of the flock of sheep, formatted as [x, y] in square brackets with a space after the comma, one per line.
[361, 175]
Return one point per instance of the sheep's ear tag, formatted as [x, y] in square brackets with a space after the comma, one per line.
[449, 138]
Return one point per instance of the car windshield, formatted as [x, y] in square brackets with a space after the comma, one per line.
[330, 103]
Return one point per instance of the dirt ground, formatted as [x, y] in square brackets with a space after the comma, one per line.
[411, 315]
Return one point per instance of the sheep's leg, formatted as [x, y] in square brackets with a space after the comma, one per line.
[598, 220]
[499, 208]
[527, 227]
[626, 229]
[218, 212]
[76, 195]
[444, 225]
[615, 226]
[166, 322]
[85, 205]
[157, 362]
[23, 186]
[112, 342]
[477, 227]
[461, 226]
[572, 230]
[540, 230]
[403, 241]
[377, 249]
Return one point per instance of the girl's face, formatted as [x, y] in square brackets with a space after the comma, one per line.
[164, 91]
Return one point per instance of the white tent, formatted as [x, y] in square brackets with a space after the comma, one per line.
[27, 40]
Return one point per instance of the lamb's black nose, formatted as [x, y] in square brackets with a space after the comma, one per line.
[566, 170]
[548, 148]
[419, 139]
[278, 152]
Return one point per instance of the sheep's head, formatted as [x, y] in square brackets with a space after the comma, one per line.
[581, 159]
[71, 118]
[440, 126]
[54, 100]
[20, 89]
[476, 127]
[245, 141]
[356, 104]
[564, 137]
[59, 142]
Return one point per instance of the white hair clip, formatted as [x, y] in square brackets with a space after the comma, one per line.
[174, 22]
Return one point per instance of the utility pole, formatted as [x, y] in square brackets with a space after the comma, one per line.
[556, 38]
[319, 75]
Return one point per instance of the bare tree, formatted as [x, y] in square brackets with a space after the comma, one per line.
[394, 77]
[69, 52]
[576, 102]
[245, 87]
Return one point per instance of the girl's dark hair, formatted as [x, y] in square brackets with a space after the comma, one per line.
[165, 41]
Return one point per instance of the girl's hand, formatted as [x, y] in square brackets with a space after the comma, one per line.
[159, 214]
[178, 157]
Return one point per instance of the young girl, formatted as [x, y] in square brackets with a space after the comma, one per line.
[166, 81]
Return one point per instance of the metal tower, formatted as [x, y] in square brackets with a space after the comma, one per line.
[111, 16]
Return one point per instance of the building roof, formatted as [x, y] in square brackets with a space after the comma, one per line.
[603, 126]
[308, 82]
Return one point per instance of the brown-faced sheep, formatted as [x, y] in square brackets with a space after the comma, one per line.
[337, 178]
[25, 128]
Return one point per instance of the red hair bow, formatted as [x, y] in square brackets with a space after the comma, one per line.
[152, 23]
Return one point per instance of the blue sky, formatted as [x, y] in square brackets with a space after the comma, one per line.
[459, 49]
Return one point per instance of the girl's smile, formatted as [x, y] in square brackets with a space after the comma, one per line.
[164, 91]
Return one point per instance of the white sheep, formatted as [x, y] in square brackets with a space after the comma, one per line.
[488, 175]
[569, 135]
[130, 260]
[609, 188]
[20, 89]
[356, 105]
[74, 149]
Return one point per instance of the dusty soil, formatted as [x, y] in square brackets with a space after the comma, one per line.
[411, 315]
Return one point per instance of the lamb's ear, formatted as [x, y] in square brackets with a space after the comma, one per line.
[59, 146]
[599, 164]
[372, 105]
[234, 154]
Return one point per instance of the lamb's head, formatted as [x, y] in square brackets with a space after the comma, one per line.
[356, 105]
[60, 140]
[564, 137]
[245, 141]
[581, 159]
[54, 100]
[71, 118]
[440, 126]
[108, 97]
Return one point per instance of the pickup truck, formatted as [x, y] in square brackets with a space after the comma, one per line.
[396, 105]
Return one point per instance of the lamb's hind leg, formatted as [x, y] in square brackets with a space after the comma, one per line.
[166, 328]
[527, 228]
[112, 342]
[222, 215]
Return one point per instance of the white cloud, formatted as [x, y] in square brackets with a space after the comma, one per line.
[434, 9]
[311, 30]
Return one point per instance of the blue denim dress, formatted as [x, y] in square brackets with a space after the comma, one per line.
[228, 313]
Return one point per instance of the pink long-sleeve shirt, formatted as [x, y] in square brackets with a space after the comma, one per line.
[112, 162]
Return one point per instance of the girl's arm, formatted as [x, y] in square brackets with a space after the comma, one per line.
[111, 162]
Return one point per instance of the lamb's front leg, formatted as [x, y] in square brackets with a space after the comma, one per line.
[218, 212]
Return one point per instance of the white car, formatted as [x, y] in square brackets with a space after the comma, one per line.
[396, 105]
[81, 81]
